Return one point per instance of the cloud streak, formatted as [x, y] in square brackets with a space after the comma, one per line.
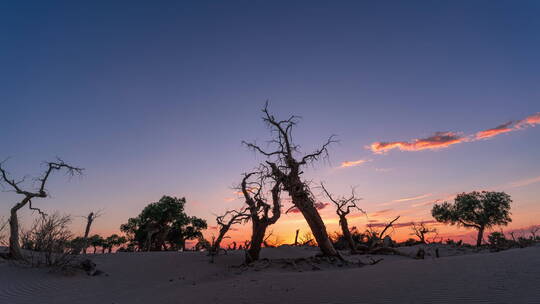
[436, 141]
[354, 163]
[441, 140]
[412, 198]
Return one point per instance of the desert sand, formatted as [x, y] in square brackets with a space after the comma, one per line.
[511, 276]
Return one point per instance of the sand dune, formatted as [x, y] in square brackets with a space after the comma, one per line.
[511, 276]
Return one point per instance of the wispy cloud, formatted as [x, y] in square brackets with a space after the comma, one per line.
[380, 212]
[504, 128]
[441, 140]
[412, 198]
[354, 163]
[399, 225]
[438, 140]
[525, 182]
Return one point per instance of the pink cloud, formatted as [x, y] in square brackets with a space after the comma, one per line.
[441, 140]
[353, 163]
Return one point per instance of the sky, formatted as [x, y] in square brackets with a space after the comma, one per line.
[428, 99]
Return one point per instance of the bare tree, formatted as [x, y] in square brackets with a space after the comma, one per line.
[286, 168]
[28, 196]
[533, 230]
[225, 222]
[89, 220]
[344, 206]
[259, 210]
[375, 237]
[420, 230]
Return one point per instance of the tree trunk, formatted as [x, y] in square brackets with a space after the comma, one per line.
[313, 218]
[480, 236]
[14, 246]
[257, 237]
[296, 237]
[89, 221]
[217, 242]
[347, 233]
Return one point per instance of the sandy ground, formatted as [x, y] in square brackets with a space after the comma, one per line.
[511, 276]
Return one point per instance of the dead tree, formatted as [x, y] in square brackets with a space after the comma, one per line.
[28, 196]
[259, 210]
[344, 206]
[420, 230]
[286, 168]
[375, 237]
[89, 220]
[533, 230]
[225, 222]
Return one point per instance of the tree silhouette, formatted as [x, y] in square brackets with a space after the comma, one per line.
[161, 223]
[259, 210]
[344, 206]
[28, 196]
[420, 230]
[478, 210]
[286, 168]
[113, 241]
[96, 241]
[225, 222]
[92, 216]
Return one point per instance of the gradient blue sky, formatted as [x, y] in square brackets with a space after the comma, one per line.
[155, 98]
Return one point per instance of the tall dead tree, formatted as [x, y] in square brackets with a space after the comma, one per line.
[28, 196]
[225, 222]
[344, 206]
[259, 211]
[286, 168]
[89, 220]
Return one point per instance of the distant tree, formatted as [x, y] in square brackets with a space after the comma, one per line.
[344, 206]
[161, 223]
[225, 222]
[178, 234]
[28, 196]
[287, 167]
[113, 241]
[421, 230]
[92, 216]
[96, 241]
[478, 210]
[259, 209]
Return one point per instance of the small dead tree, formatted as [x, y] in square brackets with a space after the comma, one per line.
[225, 223]
[375, 237]
[28, 196]
[89, 220]
[344, 206]
[259, 210]
[286, 168]
[420, 230]
[533, 230]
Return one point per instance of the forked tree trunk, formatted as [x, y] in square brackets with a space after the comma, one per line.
[347, 233]
[480, 236]
[257, 238]
[315, 222]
